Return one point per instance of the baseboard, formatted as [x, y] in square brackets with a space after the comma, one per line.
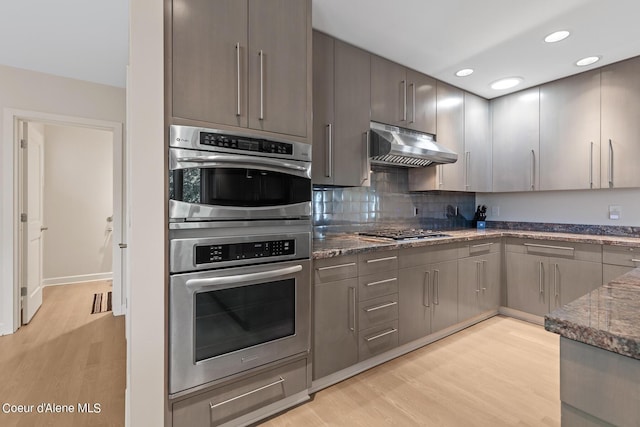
[521, 315]
[67, 280]
[5, 329]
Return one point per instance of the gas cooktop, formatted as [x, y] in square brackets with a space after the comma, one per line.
[403, 234]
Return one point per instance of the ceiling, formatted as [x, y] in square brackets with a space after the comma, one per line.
[88, 40]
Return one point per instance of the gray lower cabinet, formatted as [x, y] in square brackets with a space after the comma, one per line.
[516, 137]
[341, 112]
[415, 306]
[542, 277]
[478, 284]
[618, 260]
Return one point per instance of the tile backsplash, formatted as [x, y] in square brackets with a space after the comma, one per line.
[388, 203]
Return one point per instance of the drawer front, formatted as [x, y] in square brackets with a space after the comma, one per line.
[333, 269]
[241, 397]
[619, 255]
[377, 285]
[377, 311]
[377, 340]
[558, 249]
[377, 262]
[413, 257]
[479, 247]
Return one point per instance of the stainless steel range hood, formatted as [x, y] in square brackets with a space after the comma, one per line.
[394, 146]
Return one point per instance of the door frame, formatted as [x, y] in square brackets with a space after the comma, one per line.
[10, 208]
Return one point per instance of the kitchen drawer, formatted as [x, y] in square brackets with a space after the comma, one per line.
[621, 255]
[479, 247]
[413, 257]
[333, 269]
[558, 249]
[377, 311]
[243, 396]
[376, 262]
[376, 285]
[377, 340]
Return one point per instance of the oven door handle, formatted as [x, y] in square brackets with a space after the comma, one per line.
[240, 278]
[213, 160]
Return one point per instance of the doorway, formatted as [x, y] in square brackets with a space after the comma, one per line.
[70, 200]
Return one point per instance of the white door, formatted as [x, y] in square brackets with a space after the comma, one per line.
[33, 163]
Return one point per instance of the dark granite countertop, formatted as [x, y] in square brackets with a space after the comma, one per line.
[608, 317]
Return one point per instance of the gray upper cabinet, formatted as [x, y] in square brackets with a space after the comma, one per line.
[450, 124]
[421, 102]
[477, 144]
[516, 139]
[341, 81]
[570, 133]
[389, 92]
[243, 63]
[620, 138]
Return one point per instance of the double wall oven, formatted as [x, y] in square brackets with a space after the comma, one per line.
[239, 253]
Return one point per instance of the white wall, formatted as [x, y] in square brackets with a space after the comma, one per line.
[78, 198]
[564, 207]
[44, 93]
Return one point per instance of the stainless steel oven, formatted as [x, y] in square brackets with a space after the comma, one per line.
[221, 175]
[240, 297]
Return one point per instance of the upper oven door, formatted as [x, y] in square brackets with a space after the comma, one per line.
[206, 185]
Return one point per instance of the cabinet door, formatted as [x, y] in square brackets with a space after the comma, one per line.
[571, 279]
[389, 91]
[570, 133]
[620, 124]
[421, 102]
[469, 271]
[414, 303]
[335, 343]
[490, 282]
[352, 101]
[611, 272]
[477, 144]
[278, 32]
[209, 61]
[444, 282]
[322, 169]
[516, 137]
[450, 134]
[527, 283]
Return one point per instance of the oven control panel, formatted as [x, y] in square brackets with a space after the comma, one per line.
[206, 254]
[244, 143]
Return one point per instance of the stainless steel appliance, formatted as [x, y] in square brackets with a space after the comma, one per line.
[403, 234]
[222, 175]
[239, 297]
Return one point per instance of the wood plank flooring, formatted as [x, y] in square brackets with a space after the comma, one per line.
[66, 356]
[501, 372]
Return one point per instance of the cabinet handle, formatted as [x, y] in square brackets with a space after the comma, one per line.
[381, 306]
[425, 288]
[261, 55]
[635, 260]
[352, 318]
[481, 245]
[365, 159]
[591, 166]
[540, 278]
[477, 276]
[238, 112]
[329, 162]
[375, 337]
[331, 267]
[249, 393]
[389, 258]
[404, 90]
[381, 282]
[484, 275]
[440, 175]
[436, 287]
[413, 102]
[564, 248]
[555, 279]
[610, 163]
[467, 163]
[533, 167]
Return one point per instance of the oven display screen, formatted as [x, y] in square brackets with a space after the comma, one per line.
[207, 254]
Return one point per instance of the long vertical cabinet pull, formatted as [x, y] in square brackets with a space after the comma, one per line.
[425, 289]
[404, 103]
[365, 160]
[467, 165]
[540, 277]
[436, 287]
[533, 170]
[555, 280]
[591, 166]
[413, 102]
[477, 276]
[238, 100]
[484, 275]
[261, 55]
[610, 163]
[329, 163]
[352, 301]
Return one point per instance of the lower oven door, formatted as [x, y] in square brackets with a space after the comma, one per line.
[223, 322]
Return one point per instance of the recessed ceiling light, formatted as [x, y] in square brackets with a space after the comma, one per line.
[507, 83]
[464, 72]
[587, 61]
[557, 36]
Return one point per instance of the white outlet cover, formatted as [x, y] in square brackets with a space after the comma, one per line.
[495, 210]
[615, 212]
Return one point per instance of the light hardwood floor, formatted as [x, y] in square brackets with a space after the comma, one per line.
[501, 372]
[66, 356]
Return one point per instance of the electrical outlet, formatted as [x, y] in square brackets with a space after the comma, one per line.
[615, 212]
[495, 211]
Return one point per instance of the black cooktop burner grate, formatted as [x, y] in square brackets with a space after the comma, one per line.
[403, 234]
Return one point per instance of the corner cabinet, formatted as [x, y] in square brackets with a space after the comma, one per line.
[620, 147]
[341, 84]
[477, 144]
[516, 141]
[241, 63]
